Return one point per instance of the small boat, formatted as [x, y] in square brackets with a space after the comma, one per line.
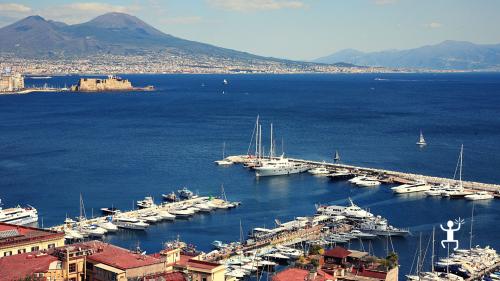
[411, 188]
[224, 161]
[368, 182]
[341, 174]
[203, 207]
[218, 244]
[225, 82]
[108, 225]
[362, 235]
[336, 158]
[435, 190]
[73, 234]
[182, 213]
[319, 171]
[480, 195]
[93, 230]
[185, 193]
[109, 211]
[147, 202]
[130, 223]
[421, 140]
[166, 215]
[171, 197]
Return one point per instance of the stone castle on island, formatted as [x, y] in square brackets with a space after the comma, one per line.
[112, 83]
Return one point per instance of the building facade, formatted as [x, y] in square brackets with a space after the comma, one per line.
[11, 82]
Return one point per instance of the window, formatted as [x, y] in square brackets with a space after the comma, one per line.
[35, 248]
[89, 266]
[21, 251]
[72, 267]
[8, 253]
[72, 279]
[51, 246]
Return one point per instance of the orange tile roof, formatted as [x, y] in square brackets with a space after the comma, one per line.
[117, 257]
[20, 266]
[26, 234]
[296, 274]
[202, 264]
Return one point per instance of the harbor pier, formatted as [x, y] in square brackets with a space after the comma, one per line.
[388, 175]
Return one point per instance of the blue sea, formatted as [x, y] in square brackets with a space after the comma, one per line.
[116, 148]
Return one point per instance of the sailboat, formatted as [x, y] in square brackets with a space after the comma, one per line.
[224, 161]
[421, 140]
[457, 191]
[336, 158]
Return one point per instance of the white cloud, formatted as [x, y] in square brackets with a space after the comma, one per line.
[433, 25]
[14, 7]
[385, 2]
[256, 5]
[82, 11]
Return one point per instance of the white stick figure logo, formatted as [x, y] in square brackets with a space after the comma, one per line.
[450, 231]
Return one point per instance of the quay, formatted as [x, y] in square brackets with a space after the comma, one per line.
[136, 213]
[488, 270]
[390, 176]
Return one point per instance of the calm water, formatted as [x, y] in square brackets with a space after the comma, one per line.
[117, 148]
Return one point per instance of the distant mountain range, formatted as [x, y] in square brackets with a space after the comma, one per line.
[114, 33]
[448, 55]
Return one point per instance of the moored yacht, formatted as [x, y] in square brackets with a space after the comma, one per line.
[18, 215]
[147, 202]
[436, 190]
[171, 197]
[130, 223]
[368, 182]
[480, 195]
[319, 171]
[410, 188]
[224, 161]
[351, 211]
[185, 193]
[280, 166]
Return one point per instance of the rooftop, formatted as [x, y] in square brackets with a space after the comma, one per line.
[117, 257]
[298, 274]
[337, 252]
[11, 234]
[20, 266]
[203, 264]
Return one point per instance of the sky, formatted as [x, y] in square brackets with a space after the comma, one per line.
[293, 29]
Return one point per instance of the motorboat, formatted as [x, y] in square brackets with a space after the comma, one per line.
[352, 211]
[218, 244]
[166, 215]
[108, 225]
[280, 166]
[341, 174]
[171, 197]
[147, 202]
[435, 190]
[356, 179]
[18, 215]
[362, 235]
[150, 217]
[379, 226]
[130, 223]
[203, 207]
[185, 193]
[319, 171]
[73, 234]
[411, 188]
[109, 211]
[182, 213]
[92, 230]
[368, 182]
[480, 195]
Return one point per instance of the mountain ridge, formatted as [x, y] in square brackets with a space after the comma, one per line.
[446, 55]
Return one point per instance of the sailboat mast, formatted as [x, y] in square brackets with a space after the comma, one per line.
[271, 152]
[461, 163]
[471, 222]
[432, 256]
[223, 150]
[257, 137]
[260, 141]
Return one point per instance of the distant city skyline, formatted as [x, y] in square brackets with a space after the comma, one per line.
[292, 29]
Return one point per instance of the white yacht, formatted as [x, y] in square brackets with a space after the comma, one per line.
[185, 193]
[18, 215]
[380, 226]
[319, 171]
[410, 188]
[130, 223]
[368, 182]
[108, 225]
[480, 195]
[421, 140]
[436, 190]
[182, 213]
[356, 179]
[281, 166]
[147, 202]
[166, 215]
[352, 211]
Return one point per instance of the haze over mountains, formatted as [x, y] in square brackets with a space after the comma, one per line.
[113, 33]
[448, 55]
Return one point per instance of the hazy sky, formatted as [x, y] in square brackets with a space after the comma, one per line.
[295, 29]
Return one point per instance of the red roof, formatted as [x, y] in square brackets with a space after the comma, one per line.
[25, 234]
[20, 266]
[296, 274]
[117, 257]
[337, 252]
[202, 264]
[172, 276]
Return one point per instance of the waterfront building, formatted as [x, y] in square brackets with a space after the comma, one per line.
[205, 271]
[16, 239]
[11, 82]
[112, 83]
